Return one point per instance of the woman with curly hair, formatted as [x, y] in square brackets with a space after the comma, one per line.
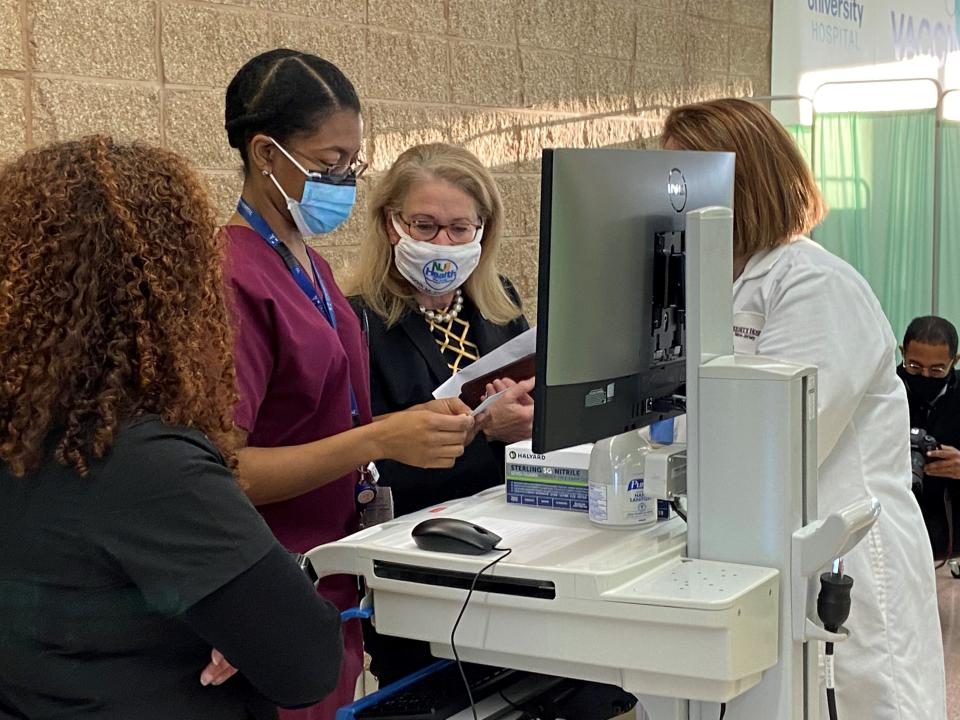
[129, 552]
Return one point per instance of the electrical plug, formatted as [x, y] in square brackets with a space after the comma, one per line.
[833, 602]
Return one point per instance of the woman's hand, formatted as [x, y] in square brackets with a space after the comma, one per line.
[218, 671]
[456, 406]
[445, 406]
[426, 438]
[511, 417]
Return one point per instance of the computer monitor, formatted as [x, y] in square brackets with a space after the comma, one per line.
[610, 316]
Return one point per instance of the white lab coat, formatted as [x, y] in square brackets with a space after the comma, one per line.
[799, 302]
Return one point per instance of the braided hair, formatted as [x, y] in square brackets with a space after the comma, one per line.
[282, 93]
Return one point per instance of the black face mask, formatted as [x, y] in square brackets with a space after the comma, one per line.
[927, 389]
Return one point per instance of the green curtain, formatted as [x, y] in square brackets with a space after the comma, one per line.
[803, 135]
[876, 171]
[948, 280]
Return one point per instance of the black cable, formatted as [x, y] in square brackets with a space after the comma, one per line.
[831, 692]
[833, 608]
[723, 706]
[463, 609]
[675, 504]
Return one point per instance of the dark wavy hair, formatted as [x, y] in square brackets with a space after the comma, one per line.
[283, 93]
[111, 302]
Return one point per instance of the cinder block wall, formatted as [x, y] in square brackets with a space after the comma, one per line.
[505, 78]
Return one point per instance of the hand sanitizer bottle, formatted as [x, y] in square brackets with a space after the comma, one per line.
[615, 482]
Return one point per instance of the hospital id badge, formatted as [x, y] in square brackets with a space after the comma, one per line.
[380, 510]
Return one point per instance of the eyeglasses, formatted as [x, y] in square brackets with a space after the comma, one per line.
[426, 229]
[335, 174]
[936, 371]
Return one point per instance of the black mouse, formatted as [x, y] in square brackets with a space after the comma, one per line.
[449, 535]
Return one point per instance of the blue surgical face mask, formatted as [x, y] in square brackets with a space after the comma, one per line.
[325, 204]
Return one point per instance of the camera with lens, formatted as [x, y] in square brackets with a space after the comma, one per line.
[920, 444]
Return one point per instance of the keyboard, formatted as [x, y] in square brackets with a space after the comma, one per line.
[440, 694]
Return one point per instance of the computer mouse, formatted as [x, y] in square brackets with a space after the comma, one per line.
[449, 535]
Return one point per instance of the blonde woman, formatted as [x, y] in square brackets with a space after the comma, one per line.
[429, 291]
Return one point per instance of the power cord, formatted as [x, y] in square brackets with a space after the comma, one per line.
[723, 710]
[833, 608]
[675, 504]
[463, 609]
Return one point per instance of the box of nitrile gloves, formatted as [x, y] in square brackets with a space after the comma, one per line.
[556, 480]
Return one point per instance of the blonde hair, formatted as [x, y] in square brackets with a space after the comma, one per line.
[775, 195]
[377, 280]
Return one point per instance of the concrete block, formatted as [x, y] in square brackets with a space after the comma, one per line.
[224, 189]
[491, 136]
[548, 131]
[13, 136]
[750, 51]
[343, 45]
[206, 45]
[394, 127]
[603, 85]
[713, 9]
[353, 11]
[705, 85]
[485, 75]
[661, 37]
[551, 24]
[518, 261]
[65, 109]
[194, 128]
[549, 80]
[616, 132]
[342, 259]
[401, 66]
[488, 20]
[11, 36]
[657, 86]
[609, 28]
[419, 16]
[753, 13]
[521, 201]
[98, 38]
[708, 45]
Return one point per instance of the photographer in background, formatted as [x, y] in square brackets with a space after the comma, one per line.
[929, 355]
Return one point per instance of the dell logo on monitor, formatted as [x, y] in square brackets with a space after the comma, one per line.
[677, 190]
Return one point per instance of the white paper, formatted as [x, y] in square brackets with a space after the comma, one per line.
[516, 349]
[487, 403]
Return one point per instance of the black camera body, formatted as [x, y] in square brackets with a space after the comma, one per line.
[920, 444]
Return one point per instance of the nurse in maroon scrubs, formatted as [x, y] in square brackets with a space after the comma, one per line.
[301, 358]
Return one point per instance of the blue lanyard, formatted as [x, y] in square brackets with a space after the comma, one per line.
[324, 304]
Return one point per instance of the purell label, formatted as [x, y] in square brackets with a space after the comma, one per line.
[624, 505]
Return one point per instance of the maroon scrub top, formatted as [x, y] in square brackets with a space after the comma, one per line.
[294, 373]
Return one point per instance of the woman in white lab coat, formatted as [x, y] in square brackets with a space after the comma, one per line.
[793, 300]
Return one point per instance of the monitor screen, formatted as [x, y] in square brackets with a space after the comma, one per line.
[610, 316]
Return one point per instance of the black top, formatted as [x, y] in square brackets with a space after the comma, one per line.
[406, 366]
[941, 419]
[115, 587]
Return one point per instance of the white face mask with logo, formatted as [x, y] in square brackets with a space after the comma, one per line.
[435, 269]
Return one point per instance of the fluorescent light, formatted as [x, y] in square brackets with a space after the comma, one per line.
[868, 88]
[876, 96]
